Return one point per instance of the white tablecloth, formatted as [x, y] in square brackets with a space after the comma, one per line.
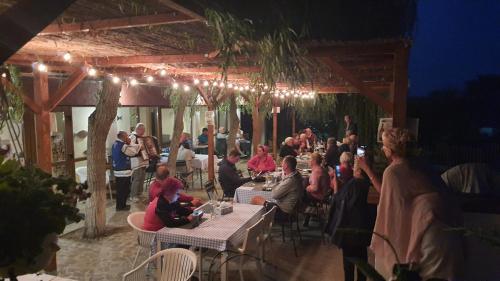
[246, 192]
[220, 233]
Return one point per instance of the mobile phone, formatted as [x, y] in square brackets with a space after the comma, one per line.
[360, 151]
[337, 171]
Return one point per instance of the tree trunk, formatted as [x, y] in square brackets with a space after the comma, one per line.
[234, 123]
[256, 127]
[99, 124]
[178, 129]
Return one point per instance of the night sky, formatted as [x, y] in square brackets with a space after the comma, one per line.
[454, 41]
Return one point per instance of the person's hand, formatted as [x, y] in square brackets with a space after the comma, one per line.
[363, 163]
[331, 173]
[196, 202]
[190, 218]
[309, 188]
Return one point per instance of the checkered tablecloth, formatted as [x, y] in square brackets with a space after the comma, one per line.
[220, 233]
[246, 192]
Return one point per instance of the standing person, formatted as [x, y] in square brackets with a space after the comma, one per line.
[353, 144]
[141, 162]
[332, 153]
[228, 174]
[288, 148]
[262, 162]
[413, 215]
[350, 126]
[349, 210]
[203, 138]
[305, 146]
[311, 137]
[121, 151]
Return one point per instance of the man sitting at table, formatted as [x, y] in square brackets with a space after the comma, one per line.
[166, 210]
[203, 138]
[163, 181]
[228, 174]
[288, 148]
[287, 193]
[262, 162]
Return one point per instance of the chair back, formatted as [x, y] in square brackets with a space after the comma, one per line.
[81, 172]
[144, 237]
[177, 264]
[211, 190]
[251, 241]
[268, 219]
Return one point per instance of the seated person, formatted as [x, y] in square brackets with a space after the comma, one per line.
[288, 148]
[345, 146]
[228, 174]
[332, 153]
[304, 145]
[222, 133]
[319, 181]
[287, 193]
[262, 162]
[185, 138]
[166, 210]
[311, 137]
[203, 138]
[186, 154]
[346, 161]
[163, 180]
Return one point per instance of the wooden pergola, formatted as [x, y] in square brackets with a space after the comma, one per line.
[167, 36]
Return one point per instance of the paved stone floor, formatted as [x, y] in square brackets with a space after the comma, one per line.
[109, 257]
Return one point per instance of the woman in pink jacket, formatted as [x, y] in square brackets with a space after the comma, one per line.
[262, 162]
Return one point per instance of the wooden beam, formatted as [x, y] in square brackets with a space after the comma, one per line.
[275, 130]
[171, 4]
[42, 122]
[211, 143]
[67, 87]
[118, 23]
[159, 126]
[400, 91]
[133, 60]
[356, 48]
[363, 89]
[24, 20]
[30, 103]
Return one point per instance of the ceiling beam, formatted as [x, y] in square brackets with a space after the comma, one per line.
[118, 23]
[67, 87]
[356, 49]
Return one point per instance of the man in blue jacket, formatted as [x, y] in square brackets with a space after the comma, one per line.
[121, 151]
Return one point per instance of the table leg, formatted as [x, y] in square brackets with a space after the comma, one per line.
[223, 268]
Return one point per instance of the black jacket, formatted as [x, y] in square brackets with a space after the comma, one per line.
[332, 157]
[229, 178]
[350, 210]
[287, 150]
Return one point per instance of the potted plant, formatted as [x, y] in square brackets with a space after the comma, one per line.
[34, 209]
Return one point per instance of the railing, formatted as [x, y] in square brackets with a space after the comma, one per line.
[451, 155]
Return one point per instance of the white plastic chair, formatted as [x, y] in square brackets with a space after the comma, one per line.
[82, 174]
[250, 245]
[144, 237]
[176, 264]
[267, 221]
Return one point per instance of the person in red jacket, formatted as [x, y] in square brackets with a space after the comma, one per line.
[262, 162]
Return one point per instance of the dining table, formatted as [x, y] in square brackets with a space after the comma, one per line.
[199, 164]
[220, 233]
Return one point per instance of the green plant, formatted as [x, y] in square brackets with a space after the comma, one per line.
[12, 106]
[32, 205]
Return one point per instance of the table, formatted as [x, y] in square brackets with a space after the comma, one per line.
[199, 163]
[246, 192]
[221, 233]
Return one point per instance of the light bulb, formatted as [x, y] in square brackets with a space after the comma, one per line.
[186, 88]
[163, 72]
[150, 79]
[42, 67]
[230, 85]
[175, 85]
[266, 87]
[287, 94]
[276, 94]
[205, 83]
[247, 87]
[92, 72]
[214, 84]
[196, 81]
[4, 75]
[67, 56]
[221, 84]
[116, 80]
[282, 96]
[253, 90]
[133, 82]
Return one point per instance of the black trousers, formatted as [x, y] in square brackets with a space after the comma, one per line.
[353, 252]
[122, 191]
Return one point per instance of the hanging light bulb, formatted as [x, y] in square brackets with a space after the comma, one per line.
[287, 94]
[214, 84]
[247, 87]
[205, 83]
[221, 84]
[196, 81]
[186, 88]
[252, 90]
[42, 67]
[266, 87]
[163, 72]
[150, 79]
[282, 96]
[276, 95]
[175, 85]
[92, 71]
[134, 82]
[4, 75]
[116, 80]
[67, 56]
[230, 86]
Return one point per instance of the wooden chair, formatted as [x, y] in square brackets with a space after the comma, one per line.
[268, 219]
[289, 221]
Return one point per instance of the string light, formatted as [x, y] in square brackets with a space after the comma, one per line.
[253, 90]
[196, 81]
[276, 95]
[287, 94]
[116, 80]
[222, 85]
[186, 88]
[214, 84]
[163, 72]
[230, 86]
[92, 72]
[133, 82]
[266, 87]
[205, 83]
[42, 67]
[175, 85]
[247, 87]
[67, 56]
[4, 75]
[282, 96]
[150, 79]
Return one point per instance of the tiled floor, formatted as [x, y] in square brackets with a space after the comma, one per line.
[109, 257]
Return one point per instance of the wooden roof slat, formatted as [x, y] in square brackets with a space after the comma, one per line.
[118, 23]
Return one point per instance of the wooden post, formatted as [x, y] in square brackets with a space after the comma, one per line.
[159, 126]
[400, 87]
[275, 129]
[42, 121]
[256, 126]
[68, 141]
[211, 145]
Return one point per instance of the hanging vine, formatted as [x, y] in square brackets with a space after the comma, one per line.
[12, 105]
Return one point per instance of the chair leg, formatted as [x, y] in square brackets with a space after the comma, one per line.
[136, 256]
[293, 239]
[240, 268]
[298, 228]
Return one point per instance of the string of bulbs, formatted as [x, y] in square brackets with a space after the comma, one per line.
[278, 93]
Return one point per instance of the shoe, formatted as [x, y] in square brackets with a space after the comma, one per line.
[126, 208]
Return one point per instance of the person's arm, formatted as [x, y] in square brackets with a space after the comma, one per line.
[183, 197]
[253, 162]
[313, 186]
[376, 181]
[280, 191]
[270, 165]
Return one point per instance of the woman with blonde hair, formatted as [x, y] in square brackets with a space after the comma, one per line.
[413, 215]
